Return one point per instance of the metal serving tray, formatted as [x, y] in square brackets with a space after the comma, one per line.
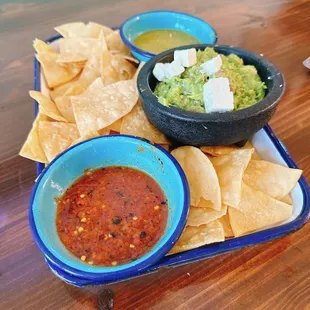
[269, 147]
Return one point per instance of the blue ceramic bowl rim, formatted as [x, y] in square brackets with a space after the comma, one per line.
[273, 97]
[127, 272]
[148, 54]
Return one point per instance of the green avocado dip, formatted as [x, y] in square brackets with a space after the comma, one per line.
[186, 90]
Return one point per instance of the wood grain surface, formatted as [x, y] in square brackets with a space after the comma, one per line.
[275, 275]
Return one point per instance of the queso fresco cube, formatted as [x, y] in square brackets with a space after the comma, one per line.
[217, 96]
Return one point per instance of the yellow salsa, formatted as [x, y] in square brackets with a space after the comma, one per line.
[157, 41]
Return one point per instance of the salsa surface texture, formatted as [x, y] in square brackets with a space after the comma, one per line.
[111, 216]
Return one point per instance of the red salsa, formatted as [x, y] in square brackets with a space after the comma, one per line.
[111, 215]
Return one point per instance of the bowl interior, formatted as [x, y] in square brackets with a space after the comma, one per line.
[100, 152]
[148, 21]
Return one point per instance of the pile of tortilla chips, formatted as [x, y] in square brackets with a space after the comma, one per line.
[233, 192]
[91, 91]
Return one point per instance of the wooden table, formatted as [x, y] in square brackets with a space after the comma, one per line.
[275, 275]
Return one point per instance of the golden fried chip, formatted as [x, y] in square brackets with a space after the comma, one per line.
[136, 123]
[79, 46]
[287, 199]
[42, 47]
[224, 220]
[219, 150]
[32, 147]
[54, 72]
[92, 69]
[71, 29]
[64, 106]
[104, 131]
[274, 180]
[47, 106]
[116, 126]
[100, 106]
[230, 169]
[90, 135]
[194, 237]
[72, 88]
[75, 59]
[257, 210]
[203, 181]
[93, 30]
[55, 137]
[223, 150]
[132, 59]
[115, 68]
[200, 216]
[115, 43]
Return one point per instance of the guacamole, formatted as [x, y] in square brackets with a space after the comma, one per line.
[186, 91]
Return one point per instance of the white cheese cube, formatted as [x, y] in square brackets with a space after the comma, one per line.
[211, 66]
[217, 96]
[173, 69]
[159, 71]
[187, 58]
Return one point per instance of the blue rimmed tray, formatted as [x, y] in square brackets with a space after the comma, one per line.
[269, 147]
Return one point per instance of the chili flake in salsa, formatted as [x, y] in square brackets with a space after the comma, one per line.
[111, 215]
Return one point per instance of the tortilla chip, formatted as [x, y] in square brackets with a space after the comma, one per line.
[257, 210]
[71, 29]
[203, 181]
[194, 237]
[255, 155]
[75, 59]
[55, 137]
[80, 46]
[274, 180]
[116, 126]
[90, 135]
[72, 88]
[136, 123]
[47, 106]
[287, 199]
[104, 131]
[93, 30]
[56, 73]
[115, 68]
[219, 150]
[42, 47]
[32, 148]
[115, 43]
[200, 216]
[100, 106]
[132, 59]
[223, 150]
[64, 106]
[92, 69]
[224, 220]
[230, 169]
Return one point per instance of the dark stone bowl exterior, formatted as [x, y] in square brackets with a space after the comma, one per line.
[193, 128]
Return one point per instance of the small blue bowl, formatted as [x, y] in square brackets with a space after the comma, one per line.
[114, 150]
[140, 23]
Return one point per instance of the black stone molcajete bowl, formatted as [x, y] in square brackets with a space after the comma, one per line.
[193, 128]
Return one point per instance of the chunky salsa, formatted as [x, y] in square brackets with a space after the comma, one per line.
[111, 215]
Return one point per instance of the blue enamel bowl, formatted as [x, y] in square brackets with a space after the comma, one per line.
[114, 150]
[153, 20]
